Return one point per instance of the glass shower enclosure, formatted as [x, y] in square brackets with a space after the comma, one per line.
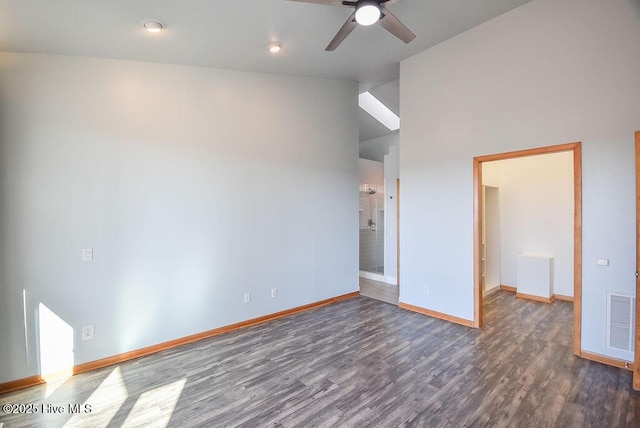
[372, 228]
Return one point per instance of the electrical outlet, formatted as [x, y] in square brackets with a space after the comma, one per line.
[426, 290]
[274, 293]
[247, 297]
[88, 332]
[87, 254]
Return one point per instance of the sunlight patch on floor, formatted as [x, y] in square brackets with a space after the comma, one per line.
[105, 402]
[155, 407]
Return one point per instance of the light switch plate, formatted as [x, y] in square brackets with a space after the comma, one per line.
[603, 262]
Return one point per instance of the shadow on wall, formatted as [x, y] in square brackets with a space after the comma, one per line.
[635, 5]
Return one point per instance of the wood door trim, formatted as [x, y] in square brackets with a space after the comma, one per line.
[398, 232]
[636, 370]
[529, 152]
[577, 249]
[477, 243]
[576, 148]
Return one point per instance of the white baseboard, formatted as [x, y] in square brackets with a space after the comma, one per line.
[371, 275]
[379, 277]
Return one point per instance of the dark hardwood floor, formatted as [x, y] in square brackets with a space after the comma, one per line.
[360, 362]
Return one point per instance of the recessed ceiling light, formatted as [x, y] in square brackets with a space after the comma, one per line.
[367, 12]
[153, 26]
[274, 47]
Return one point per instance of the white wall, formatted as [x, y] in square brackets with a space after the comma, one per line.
[192, 185]
[377, 148]
[536, 213]
[391, 174]
[491, 173]
[491, 239]
[548, 72]
[370, 172]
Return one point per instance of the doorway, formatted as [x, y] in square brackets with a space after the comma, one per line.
[372, 231]
[379, 253]
[378, 214]
[491, 248]
[478, 214]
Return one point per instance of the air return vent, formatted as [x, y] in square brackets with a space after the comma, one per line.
[620, 321]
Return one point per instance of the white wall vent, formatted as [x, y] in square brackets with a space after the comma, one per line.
[620, 319]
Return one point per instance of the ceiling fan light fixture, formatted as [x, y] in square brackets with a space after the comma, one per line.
[368, 12]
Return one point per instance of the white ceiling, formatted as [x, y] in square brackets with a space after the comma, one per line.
[234, 34]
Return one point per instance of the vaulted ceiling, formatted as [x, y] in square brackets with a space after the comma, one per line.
[233, 34]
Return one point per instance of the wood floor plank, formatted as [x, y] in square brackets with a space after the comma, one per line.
[360, 362]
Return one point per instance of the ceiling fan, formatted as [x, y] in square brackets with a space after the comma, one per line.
[367, 12]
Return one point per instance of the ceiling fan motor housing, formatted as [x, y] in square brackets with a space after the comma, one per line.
[367, 12]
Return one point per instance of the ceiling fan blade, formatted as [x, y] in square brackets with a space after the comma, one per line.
[343, 32]
[327, 2]
[393, 25]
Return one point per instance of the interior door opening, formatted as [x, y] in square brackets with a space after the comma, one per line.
[491, 240]
[481, 267]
